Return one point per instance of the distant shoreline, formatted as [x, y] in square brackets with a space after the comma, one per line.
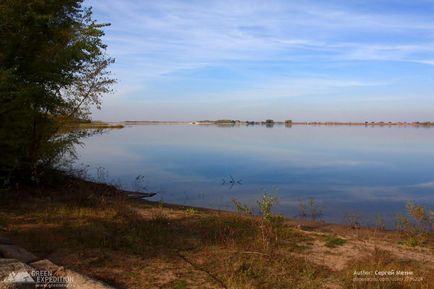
[286, 123]
[233, 123]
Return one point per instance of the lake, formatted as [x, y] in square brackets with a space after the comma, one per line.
[357, 170]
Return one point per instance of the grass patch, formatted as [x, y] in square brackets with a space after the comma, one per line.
[333, 241]
[382, 261]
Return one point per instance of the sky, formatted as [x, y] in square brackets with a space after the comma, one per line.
[350, 60]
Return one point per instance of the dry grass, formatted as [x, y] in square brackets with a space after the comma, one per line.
[131, 244]
[385, 271]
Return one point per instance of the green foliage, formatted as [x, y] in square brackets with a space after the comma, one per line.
[333, 241]
[265, 206]
[53, 67]
[271, 226]
[191, 211]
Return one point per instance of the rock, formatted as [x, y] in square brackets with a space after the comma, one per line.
[46, 265]
[15, 252]
[75, 280]
[15, 275]
[81, 281]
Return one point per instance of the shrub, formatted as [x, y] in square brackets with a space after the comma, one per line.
[416, 227]
[265, 206]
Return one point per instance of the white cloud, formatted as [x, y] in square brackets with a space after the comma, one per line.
[165, 36]
[157, 41]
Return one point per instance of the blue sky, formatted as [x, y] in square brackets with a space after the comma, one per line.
[281, 59]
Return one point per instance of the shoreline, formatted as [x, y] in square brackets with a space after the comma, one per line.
[305, 223]
[259, 123]
[123, 124]
[128, 242]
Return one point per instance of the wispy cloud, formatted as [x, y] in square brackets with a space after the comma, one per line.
[198, 32]
[154, 40]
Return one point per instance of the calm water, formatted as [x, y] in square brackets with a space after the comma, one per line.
[362, 170]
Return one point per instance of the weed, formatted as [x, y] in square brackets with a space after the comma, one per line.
[353, 219]
[241, 208]
[270, 225]
[310, 209]
[266, 204]
[191, 211]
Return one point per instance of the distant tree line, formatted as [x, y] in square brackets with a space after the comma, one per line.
[53, 68]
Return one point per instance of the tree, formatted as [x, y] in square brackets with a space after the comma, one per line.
[53, 67]
[269, 123]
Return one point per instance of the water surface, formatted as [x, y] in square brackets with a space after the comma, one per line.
[358, 170]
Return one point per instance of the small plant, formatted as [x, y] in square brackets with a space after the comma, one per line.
[316, 210]
[353, 219]
[424, 219]
[380, 224]
[311, 209]
[191, 211]
[302, 209]
[334, 241]
[241, 208]
[270, 224]
[265, 206]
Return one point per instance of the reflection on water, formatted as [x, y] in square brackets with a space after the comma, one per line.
[358, 170]
[231, 182]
